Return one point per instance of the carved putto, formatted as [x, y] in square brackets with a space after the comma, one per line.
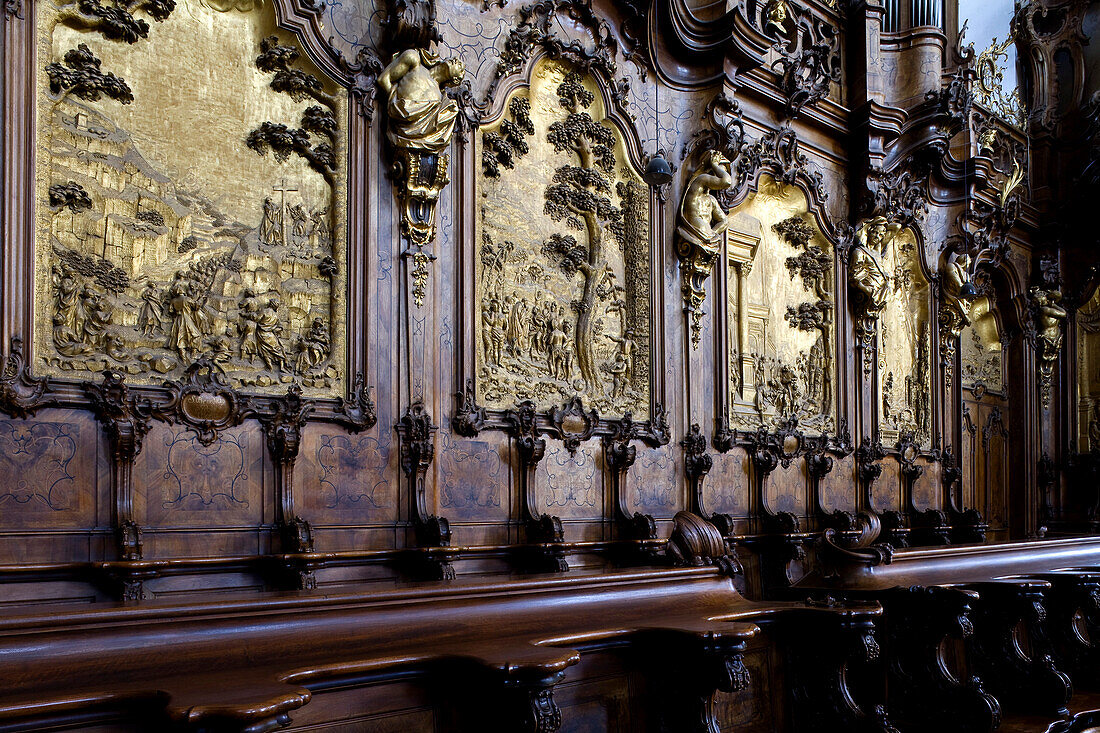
[699, 232]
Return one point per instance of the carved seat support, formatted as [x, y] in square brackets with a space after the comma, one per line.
[1073, 623]
[920, 622]
[1023, 680]
[697, 464]
[619, 456]
[417, 435]
[284, 435]
[827, 695]
[126, 420]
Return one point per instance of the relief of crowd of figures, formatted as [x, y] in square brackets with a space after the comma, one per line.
[561, 314]
[147, 271]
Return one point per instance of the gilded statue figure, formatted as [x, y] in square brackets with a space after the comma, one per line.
[421, 116]
[1049, 315]
[700, 230]
[1049, 318]
[867, 277]
[955, 309]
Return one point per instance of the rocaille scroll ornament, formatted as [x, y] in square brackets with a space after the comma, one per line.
[699, 233]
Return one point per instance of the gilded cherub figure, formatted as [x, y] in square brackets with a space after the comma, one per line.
[421, 116]
[699, 233]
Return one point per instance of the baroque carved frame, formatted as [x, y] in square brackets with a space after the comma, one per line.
[469, 418]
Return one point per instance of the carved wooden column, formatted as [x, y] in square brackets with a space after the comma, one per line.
[283, 430]
[417, 437]
[126, 421]
[544, 531]
[619, 456]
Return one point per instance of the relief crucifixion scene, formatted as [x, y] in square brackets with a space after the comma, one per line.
[188, 210]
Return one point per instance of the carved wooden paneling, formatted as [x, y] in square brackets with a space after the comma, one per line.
[183, 484]
[50, 470]
[344, 477]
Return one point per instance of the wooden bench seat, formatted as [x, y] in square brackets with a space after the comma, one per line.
[245, 664]
[985, 629]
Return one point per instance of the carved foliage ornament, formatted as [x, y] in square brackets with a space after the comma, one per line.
[809, 62]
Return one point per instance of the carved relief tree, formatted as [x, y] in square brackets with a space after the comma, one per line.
[581, 197]
[284, 141]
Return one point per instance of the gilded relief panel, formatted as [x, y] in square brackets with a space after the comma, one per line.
[563, 277]
[904, 335]
[1088, 375]
[781, 313]
[190, 187]
[980, 349]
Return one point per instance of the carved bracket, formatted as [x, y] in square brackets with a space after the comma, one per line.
[21, 395]
[417, 438]
[126, 420]
[542, 528]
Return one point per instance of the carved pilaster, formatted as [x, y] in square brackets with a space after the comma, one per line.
[126, 420]
[697, 464]
[283, 430]
[417, 436]
[543, 530]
